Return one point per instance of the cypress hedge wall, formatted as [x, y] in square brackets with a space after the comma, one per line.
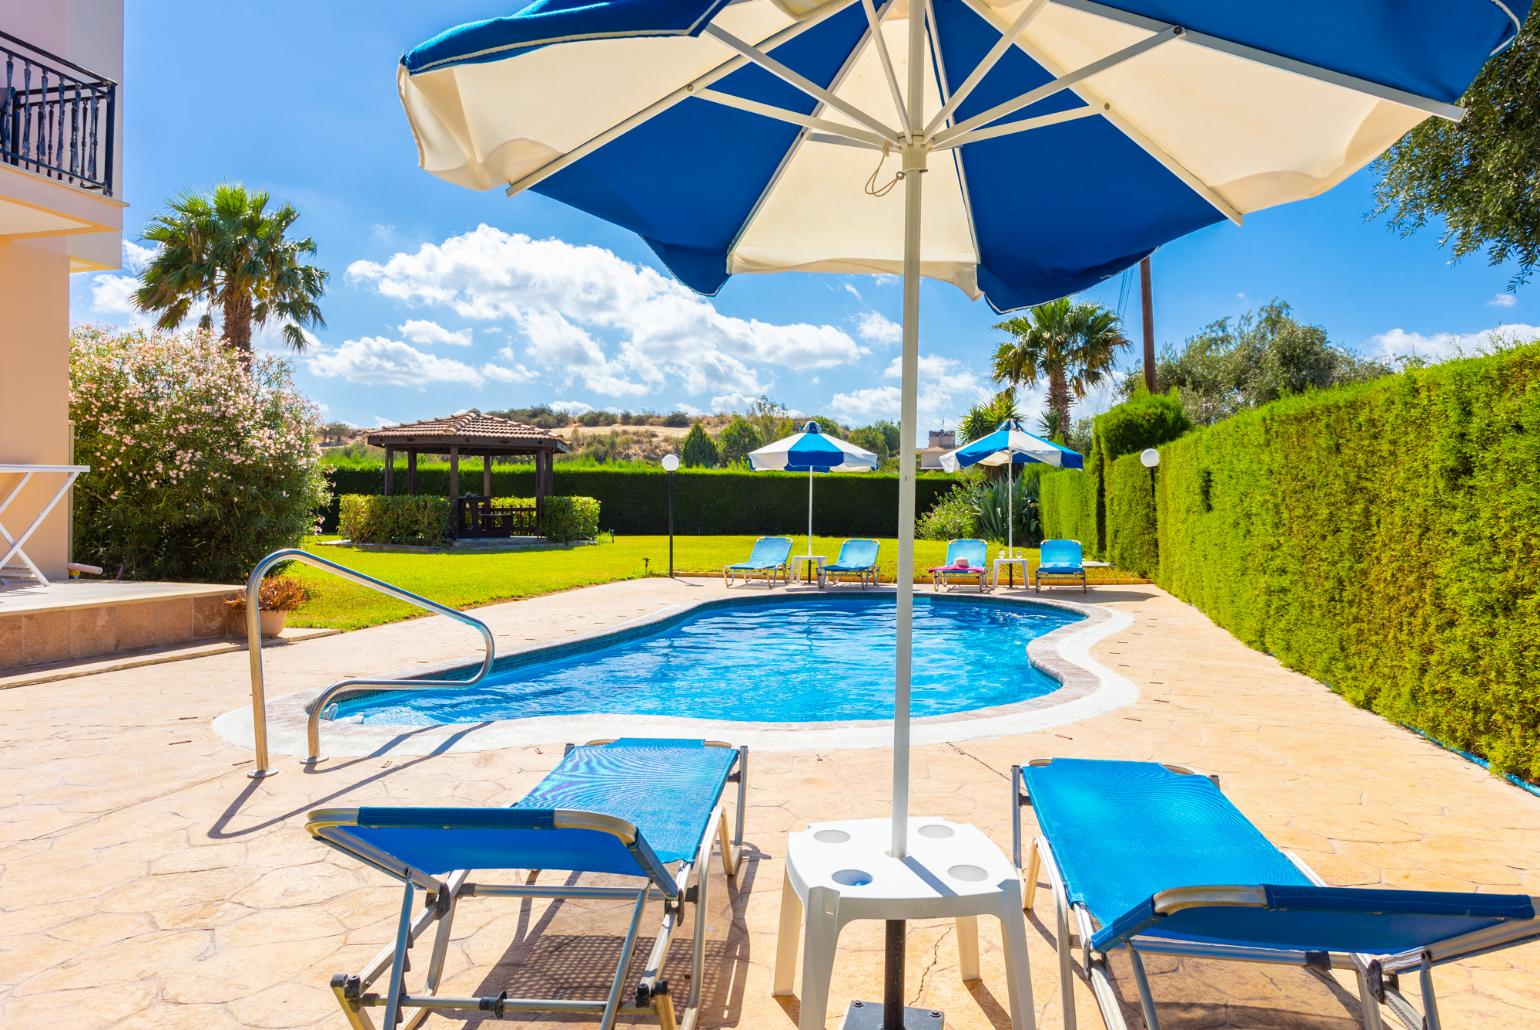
[1131, 536]
[709, 502]
[1381, 538]
[1061, 500]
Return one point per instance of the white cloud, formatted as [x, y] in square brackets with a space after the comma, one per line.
[571, 407]
[136, 258]
[1502, 300]
[421, 330]
[617, 328]
[948, 389]
[725, 403]
[114, 294]
[850, 289]
[504, 374]
[378, 361]
[1398, 343]
[874, 327]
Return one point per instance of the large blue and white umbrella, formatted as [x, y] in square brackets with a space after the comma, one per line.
[812, 450]
[1010, 445]
[1054, 142]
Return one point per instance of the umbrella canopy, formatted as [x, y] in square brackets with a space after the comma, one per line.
[1010, 445]
[1054, 142]
[812, 450]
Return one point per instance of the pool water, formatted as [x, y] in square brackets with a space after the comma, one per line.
[823, 659]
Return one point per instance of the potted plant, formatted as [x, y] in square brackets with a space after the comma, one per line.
[276, 598]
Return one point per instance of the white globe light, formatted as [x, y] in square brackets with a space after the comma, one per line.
[1149, 457]
[670, 462]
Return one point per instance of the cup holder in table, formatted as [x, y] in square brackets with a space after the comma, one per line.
[857, 877]
[967, 873]
[831, 837]
[936, 831]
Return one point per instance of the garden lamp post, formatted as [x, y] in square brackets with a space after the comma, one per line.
[670, 465]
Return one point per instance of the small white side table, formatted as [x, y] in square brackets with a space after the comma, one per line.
[1010, 565]
[840, 872]
[810, 561]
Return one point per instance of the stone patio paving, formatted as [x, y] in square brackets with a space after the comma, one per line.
[146, 882]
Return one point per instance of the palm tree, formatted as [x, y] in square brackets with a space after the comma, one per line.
[983, 419]
[228, 251]
[1071, 345]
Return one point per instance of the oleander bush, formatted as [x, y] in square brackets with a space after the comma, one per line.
[200, 465]
[397, 519]
[1383, 538]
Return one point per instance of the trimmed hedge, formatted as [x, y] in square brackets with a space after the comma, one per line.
[1144, 420]
[562, 519]
[1131, 537]
[706, 501]
[374, 519]
[1061, 500]
[1382, 538]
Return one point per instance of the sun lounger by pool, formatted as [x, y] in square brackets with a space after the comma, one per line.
[857, 558]
[1060, 559]
[965, 559]
[1152, 859]
[639, 808]
[771, 556]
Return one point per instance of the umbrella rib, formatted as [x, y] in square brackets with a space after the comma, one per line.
[1023, 125]
[887, 62]
[800, 81]
[985, 65]
[1058, 85]
[662, 104]
[848, 133]
[1257, 55]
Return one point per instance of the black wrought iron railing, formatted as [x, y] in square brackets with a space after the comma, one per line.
[56, 118]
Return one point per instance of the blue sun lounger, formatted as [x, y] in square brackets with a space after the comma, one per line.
[857, 558]
[975, 553]
[1154, 859]
[635, 808]
[1060, 559]
[771, 555]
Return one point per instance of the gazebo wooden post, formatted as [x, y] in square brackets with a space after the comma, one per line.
[486, 475]
[454, 487]
[542, 466]
[390, 471]
[411, 472]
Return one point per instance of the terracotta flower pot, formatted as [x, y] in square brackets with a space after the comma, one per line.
[272, 622]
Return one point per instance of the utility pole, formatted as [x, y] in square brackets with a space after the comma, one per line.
[1147, 302]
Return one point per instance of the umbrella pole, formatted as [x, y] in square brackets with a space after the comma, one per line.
[809, 513]
[1010, 511]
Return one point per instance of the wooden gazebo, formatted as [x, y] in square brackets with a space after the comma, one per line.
[472, 434]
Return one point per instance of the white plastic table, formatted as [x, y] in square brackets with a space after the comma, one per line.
[14, 545]
[811, 561]
[839, 872]
[1010, 565]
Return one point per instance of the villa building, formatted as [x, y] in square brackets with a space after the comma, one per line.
[61, 212]
[939, 442]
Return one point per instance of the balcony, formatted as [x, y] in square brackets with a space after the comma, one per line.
[56, 118]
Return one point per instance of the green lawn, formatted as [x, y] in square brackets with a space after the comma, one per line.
[465, 580]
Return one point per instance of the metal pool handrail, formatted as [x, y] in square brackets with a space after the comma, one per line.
[316, 707]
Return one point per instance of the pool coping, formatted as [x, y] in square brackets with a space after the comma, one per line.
[1086, 688]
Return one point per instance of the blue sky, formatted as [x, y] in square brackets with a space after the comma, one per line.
[298, 98]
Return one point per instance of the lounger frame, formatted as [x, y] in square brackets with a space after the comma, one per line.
[1378, 976]
[440, 896]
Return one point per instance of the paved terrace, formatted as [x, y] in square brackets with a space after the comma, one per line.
[148, 883]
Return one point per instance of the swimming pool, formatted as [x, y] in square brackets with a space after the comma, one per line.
[811, 659]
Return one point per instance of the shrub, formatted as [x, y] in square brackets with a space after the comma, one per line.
[275, 594]
[952, 516]
[698, 450]
[1061, 499]
[398, 519]
[633, 499]
[565, 519]
[199, 465]
[736, 440]
[1383, 538]
[1131, 539]
[1144, 420]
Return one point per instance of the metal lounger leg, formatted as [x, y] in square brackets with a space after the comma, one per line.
[1066, 967]
[446, 905]
[397, 985]
[1368, 1003]
[612, 1003]
[1146, 999]
[1429, 999]
[698, 951]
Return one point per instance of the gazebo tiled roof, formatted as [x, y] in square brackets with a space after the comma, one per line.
[471, 432]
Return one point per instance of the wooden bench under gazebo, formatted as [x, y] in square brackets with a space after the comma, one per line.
[472, 434]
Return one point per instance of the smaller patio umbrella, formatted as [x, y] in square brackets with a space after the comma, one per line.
[812, 450]
[1010, 445]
